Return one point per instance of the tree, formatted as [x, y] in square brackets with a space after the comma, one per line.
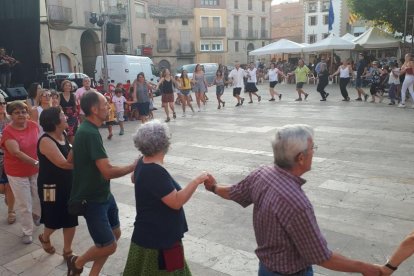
[390, 13]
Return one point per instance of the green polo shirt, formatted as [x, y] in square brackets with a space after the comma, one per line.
[88, 182]
[301, 73]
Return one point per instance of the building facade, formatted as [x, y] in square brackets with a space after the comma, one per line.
[172, 35]
[248, 28]
[316, 19]
[287, 21]
[210, 39]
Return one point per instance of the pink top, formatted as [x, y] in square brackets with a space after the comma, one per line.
[78, 94]
[27, 140]
[409, 71]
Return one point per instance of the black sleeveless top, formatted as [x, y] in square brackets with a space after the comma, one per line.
[167, 87]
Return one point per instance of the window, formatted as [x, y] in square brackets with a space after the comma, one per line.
[140, 11]
[263, 6]
[204, 22]
[311, 39]
[217, 46]
[143, 38]
[326, 19]
[325, 35]
[216, 22]
[210, 2]
[204, 46]
[184, 22]
[249, 5]
[325, 6]
[161, 21]
[263, 43]
[313, 20]
[312, 6]
[236, 46]
[236, 4]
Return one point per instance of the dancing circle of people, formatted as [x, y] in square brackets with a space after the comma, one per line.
[55, 169]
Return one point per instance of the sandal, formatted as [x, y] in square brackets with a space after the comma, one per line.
[11, 218]
[72, 269]
[67, 255]
[47, 247]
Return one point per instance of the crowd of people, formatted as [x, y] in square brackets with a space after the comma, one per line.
[55, 169]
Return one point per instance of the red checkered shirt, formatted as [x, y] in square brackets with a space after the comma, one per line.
[287, 233]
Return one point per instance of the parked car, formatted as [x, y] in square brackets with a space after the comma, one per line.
[209, 69]
[75, 78]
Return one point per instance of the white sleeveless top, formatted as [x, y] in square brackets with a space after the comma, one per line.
[39, 111]
[344, 73]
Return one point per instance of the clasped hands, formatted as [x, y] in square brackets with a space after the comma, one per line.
[208, 180]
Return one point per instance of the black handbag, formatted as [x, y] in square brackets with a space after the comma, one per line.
[77, 208]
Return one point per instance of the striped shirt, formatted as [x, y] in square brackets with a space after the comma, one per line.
[287, 234]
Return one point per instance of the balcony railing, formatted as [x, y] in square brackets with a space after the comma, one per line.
[59, 17]
[117, 15]
[186, 49]
[264, 34]
[164, 45]
[212, 32]
[237, 33]
[252, 34]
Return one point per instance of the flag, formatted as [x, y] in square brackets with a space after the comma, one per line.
[352, 18]
[331, 16]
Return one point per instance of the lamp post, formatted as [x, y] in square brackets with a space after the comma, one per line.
[101, 20]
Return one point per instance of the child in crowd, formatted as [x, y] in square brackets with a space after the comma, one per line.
[119, 102]
[394, 82]
[219, 82]
[111, 114]
[55, 98]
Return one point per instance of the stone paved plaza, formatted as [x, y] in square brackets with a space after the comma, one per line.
[361, 183]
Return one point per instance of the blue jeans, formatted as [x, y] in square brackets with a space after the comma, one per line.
[101, 219]
[263, 271]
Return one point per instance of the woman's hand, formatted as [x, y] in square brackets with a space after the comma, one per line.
[200, 179]
[210, 183]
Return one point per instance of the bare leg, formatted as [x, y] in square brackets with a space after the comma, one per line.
[198, 99]
[167, 112]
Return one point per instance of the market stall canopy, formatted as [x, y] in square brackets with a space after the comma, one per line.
[282, 46]
[332, 42]
[348, 37]
[375, 38]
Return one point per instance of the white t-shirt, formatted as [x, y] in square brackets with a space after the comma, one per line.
[392, 78]
[273, 74]
[119, 103]
[251, 74]
[237, 76]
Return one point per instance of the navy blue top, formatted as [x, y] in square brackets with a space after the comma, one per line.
[361, 65]
[156, 225]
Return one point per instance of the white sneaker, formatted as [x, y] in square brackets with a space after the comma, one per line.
[401, 105]
[27, 239]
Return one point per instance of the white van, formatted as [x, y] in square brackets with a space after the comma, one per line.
[123, 67]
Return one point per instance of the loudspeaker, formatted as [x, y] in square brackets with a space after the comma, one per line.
[113, 33]
[16, 93]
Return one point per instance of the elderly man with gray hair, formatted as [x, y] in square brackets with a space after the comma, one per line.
[160, 223]
[288, 237]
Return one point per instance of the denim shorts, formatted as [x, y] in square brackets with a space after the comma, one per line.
[101, 219]
[263, 271]
[358, 82]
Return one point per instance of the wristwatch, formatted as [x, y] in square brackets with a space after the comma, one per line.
[390, 266]
[36, 163]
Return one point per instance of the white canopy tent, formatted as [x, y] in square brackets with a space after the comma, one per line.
[348, 37]
[332, 42]
[375, 38]
[282, 46]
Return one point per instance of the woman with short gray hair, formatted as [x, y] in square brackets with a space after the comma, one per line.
[289, 141]
[160, 223]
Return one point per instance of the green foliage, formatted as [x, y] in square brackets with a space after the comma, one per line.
[390, 13]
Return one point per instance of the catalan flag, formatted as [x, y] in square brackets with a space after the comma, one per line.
[352, 18]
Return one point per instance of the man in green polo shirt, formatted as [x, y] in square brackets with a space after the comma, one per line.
[91, 174]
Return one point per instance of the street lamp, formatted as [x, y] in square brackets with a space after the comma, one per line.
[101, 20]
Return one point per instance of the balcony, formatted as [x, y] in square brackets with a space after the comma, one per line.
[186, 49]
[252, 34]
[59, 17]
[264, 34]
[212, 32]
[164, 45]
[237, 33]
[118, 15]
